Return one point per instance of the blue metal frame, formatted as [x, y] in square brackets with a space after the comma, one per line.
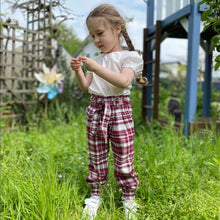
[192, 66]
[193, 11]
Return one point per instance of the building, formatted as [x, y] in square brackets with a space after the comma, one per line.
[87, 48]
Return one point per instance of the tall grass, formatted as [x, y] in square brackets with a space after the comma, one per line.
[43, 172]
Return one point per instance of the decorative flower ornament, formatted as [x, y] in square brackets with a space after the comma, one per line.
[50, 81]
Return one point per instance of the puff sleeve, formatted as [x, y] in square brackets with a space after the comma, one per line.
[134, 61]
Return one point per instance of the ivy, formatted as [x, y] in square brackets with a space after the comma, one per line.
[211, 18]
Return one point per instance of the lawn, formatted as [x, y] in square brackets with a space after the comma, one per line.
[43, 172]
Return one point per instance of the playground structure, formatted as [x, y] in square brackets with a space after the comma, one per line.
[180, 19]
[22, 53]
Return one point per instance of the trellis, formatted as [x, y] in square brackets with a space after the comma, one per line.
[22, 53]
[19, 63]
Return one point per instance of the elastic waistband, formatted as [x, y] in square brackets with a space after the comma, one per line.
[111, 100]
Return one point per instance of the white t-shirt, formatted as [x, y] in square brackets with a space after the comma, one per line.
[115, 61]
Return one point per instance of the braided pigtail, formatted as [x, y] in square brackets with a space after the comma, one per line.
[142, 80]
[127, 38]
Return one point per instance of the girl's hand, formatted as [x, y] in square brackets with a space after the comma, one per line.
[89, 64]
[76, 64]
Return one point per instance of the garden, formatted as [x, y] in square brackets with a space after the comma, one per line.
[43, 170]
[44, 150]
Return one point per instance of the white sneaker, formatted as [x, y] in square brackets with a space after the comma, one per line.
[92, 206]
[130, 207]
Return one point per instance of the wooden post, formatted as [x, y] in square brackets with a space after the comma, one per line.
[144, 92]
[1, 64]
[13, 84]
[46, 107]
[157, 69]
[207, 82]
[150, 22]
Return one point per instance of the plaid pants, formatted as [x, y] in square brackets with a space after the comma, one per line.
[110, 119]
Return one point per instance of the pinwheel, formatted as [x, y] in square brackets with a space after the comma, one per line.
[51, 82]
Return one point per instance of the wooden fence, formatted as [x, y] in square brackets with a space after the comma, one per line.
[22, 53]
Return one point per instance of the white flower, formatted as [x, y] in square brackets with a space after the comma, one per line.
[49, 76]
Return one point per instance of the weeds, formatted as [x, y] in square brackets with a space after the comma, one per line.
[43, 172]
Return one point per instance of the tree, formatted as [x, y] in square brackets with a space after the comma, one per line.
[67, 37]
[211, 18]
[59, 13]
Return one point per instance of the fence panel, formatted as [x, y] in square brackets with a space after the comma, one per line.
[22, 53]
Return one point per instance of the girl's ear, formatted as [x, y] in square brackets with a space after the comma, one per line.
[118, 29]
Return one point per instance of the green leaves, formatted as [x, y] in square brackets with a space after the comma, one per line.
[216, 39]
[205, 14]
[211, 18]
[217, 60]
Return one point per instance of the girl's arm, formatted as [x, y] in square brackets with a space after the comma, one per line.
[83, 81]
[121, 80]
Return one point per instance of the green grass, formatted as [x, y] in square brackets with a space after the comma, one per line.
[43, 172]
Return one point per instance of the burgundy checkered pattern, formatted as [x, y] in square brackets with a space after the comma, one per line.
[110, 119]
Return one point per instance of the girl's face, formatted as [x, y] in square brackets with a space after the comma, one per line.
[105, 38]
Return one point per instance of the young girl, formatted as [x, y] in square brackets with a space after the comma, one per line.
[109, 115]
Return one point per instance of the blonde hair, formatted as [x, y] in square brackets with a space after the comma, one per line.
[113, 18]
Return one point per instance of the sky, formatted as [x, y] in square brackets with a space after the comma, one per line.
[171, 49]
[135, 9]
